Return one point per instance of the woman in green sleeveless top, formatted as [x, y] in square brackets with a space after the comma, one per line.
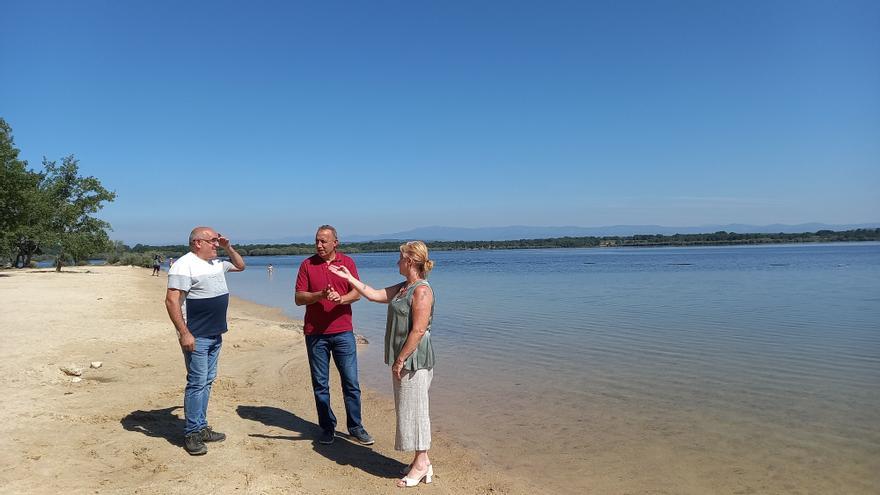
[409, 352]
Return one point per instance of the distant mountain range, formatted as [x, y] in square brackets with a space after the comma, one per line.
[514, 232]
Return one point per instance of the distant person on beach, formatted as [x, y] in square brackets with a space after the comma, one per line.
[329, 331]
[408, 351]
[157, 264]
[196, 300]
[269, 269]
[170, 262]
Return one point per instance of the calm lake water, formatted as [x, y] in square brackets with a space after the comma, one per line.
[688, 370]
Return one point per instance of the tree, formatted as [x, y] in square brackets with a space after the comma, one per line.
[22, 205]
[73, 201]
[32, 232]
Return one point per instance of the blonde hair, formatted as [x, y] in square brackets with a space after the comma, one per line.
[417, 252]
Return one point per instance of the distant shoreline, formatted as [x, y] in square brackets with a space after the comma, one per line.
[677, 240]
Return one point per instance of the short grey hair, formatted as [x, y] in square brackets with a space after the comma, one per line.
[330, 228]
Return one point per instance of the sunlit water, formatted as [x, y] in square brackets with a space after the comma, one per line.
[585, 359]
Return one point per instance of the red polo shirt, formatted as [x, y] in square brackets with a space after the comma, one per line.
[325, 317]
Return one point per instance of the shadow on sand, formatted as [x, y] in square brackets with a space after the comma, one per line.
[343, 451]
[161, 423]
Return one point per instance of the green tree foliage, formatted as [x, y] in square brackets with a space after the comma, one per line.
[22, 204]
[48, 211]
[121, 254]
[73, 200]
[13, 174]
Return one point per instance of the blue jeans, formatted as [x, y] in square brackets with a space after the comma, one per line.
[344, 350]
[201, 369]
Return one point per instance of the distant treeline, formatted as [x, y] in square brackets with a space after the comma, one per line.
[715, 239]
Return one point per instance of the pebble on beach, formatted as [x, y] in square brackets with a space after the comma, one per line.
[95, 364]
[72, 370]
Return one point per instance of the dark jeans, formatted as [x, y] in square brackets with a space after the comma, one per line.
[344, 350]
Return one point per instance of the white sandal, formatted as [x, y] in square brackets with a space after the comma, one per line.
[411, 482]
[406, 469]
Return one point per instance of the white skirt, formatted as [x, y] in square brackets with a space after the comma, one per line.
[411, 403]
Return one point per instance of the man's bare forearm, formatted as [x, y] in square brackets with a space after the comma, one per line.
[305, 298]
[175, 312]
[235, 258]
[352, 297]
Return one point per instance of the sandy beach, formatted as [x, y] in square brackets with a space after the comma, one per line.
[118, 429]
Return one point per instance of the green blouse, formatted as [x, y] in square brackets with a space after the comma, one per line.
[397, 329]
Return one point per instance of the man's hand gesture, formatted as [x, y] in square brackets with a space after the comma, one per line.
[224, 242]
[331, 295]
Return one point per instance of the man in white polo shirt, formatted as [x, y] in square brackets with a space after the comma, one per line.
[196, 300]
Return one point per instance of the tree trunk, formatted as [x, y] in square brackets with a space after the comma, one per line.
[26, 250]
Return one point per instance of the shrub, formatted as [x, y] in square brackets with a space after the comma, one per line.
[134, 259]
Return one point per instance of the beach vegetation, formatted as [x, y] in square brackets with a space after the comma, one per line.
[130, 258]
[72, 226]
[21, 204]
[49, 211]
[119, 253]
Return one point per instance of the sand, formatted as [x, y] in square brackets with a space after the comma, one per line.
[119, 429]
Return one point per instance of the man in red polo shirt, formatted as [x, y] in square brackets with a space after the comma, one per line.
[329, 331]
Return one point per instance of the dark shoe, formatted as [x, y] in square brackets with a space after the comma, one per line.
[363, 437]
[209, 435]
[327, 437]
[194, 445]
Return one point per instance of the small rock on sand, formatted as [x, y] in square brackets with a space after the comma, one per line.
[96, 364]
[72, 370]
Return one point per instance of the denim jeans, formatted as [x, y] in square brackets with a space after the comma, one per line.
[344, 350]
[201, 369]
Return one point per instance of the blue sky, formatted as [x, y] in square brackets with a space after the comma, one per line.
[266, 119]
